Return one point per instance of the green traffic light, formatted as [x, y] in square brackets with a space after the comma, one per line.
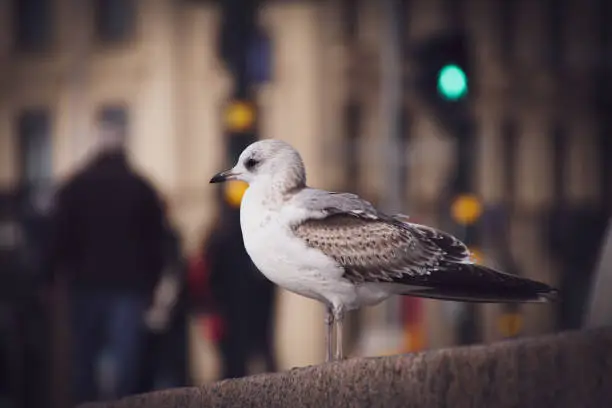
[452, 82]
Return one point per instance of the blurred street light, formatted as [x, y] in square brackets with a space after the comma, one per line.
[452, 82]
[466, 209]
[239, 116]
[234, 191]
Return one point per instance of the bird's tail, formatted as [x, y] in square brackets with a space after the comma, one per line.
[478, 283]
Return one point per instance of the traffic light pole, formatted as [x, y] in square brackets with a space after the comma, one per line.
[392, 62]
[237, 34]
[464, 185]
[391, 104]
[510, 318]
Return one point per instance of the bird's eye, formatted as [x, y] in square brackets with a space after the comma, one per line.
[251, 163]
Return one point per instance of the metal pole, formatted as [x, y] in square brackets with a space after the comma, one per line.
[391, 65]
[464, 184]
[390, 103]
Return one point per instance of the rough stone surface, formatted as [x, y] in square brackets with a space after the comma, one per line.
[568, 370]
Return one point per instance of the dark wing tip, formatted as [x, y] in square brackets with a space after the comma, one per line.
[478, 283]
[529, 289]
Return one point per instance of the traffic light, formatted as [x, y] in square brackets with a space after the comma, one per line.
[238, 29]
[452, 82]
[442, 77]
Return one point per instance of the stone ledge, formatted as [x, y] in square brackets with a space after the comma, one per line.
[567, 370]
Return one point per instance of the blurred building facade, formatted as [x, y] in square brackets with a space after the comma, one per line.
[157, 63]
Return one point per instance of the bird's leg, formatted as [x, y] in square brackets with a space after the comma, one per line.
[329, 330]
[338, 318]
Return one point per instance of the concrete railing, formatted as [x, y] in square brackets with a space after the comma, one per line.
[568, 370]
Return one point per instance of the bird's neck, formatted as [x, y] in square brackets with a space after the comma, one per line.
[274, 191]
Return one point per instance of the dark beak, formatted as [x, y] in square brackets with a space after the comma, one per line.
[221, 177]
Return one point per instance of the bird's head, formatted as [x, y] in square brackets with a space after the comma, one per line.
[268, 161]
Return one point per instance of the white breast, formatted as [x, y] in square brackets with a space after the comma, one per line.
[284, 258]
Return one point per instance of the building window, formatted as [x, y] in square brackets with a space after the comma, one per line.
[510, 140]
[352, 116]
[456, 12]
[605, 167]
[507, 29]
[556, 15]
[350, 17]
[603, 9]
[32, 24]
[113, 124]
[115, 20]
[35, 154]
[559, 141]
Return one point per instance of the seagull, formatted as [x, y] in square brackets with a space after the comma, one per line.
[338, 249]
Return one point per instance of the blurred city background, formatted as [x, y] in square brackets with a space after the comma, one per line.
[486, 118]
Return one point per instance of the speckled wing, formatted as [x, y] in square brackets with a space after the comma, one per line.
[376, 249]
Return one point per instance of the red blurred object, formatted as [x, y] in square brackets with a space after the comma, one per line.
[198, 279]
[213, 327]
[414, 330]
[412, 308]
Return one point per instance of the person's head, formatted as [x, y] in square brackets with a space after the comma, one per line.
[111, 129]
[111, 138]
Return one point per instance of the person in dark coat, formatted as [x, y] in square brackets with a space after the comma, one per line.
[108, 239]
[165, 356]
[244, 297]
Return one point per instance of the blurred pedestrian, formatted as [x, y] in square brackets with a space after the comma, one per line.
[107, 242]
[244, 297]
[201, 301]
[165, 356]
[33, 317]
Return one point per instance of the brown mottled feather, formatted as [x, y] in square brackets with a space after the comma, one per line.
[374, 248]
[380, 250]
